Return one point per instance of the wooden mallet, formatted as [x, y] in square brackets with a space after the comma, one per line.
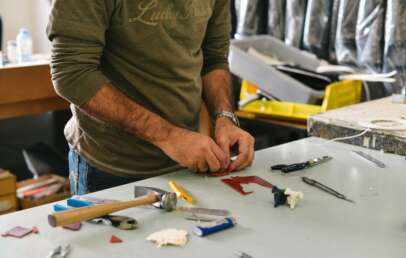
[167, 201]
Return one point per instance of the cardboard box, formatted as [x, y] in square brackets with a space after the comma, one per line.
[7, 183]
[29, 202]
[8, 203]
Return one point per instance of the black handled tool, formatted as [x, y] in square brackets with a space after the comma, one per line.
[301, 165]
[326, 189]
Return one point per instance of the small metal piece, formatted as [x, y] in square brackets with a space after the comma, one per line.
[318, 161]
[194, 217]
[326, 189]
[60, 252]
[197, 210]
[55, 252]
[242, 254]
[65, 251]
[368, 157]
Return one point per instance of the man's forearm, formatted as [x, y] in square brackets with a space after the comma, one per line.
[217, 92]
[111, 106]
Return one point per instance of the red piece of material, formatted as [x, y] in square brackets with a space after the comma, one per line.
[114, 239]
[35, 230]
[236, 183]
[73, 227]
[219, 174]
[18, 232]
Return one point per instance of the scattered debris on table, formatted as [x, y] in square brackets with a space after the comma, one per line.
[73, 227]
[60, 252]
[286, 196]
[114, 239]
[35, 230]
[20, 232]
[236, 183]
[293, 197]
[169, 237]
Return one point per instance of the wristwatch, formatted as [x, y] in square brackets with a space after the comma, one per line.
[229, 115]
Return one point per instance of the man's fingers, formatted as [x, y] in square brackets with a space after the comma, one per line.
[249, 161]
[222, 153]
[213, 162]
[202, 166]
[245, 148]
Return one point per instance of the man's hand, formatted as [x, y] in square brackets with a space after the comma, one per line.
[195, 151]
[227, 135]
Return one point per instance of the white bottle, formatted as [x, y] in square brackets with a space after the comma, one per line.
[12, 51]
[24, 46]
[1, 59]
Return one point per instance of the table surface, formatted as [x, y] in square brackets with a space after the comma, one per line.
[321, 226]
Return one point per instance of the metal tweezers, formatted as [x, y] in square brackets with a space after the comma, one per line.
[326, 189]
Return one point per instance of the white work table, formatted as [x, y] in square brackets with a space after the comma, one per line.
[321, 225]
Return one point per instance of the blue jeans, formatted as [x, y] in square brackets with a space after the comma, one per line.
[85, 178]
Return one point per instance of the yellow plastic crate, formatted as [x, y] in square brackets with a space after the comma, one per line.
[337, 94]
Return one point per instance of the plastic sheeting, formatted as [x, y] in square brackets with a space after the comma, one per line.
[276, 18]
[294, 20]
[332, 58]
[251, 15]
[317, 27]
[369, 34]
[395, 43]
[346, 50]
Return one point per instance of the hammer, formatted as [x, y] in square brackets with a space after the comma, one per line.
[166, 201]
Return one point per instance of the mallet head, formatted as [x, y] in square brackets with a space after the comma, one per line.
[167, 200]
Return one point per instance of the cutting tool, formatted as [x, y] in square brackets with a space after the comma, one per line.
[326, 189]
[205, 211]
[368, 157]
[180, 192]
[303, 165]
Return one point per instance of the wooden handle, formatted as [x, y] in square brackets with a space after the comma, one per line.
[91, 212]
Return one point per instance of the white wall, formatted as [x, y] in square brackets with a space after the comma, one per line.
[31, 14]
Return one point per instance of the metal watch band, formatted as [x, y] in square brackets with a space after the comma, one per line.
[229, 115]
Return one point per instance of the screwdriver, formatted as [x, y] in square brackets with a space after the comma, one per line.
[325, 188]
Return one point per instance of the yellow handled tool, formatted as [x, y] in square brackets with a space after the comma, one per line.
[180, 192]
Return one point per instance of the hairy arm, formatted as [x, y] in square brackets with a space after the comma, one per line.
[217, 91]
[217, 95]
[111, 106]
[190, 149]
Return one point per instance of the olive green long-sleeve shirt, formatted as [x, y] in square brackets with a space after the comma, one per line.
[153, 51]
